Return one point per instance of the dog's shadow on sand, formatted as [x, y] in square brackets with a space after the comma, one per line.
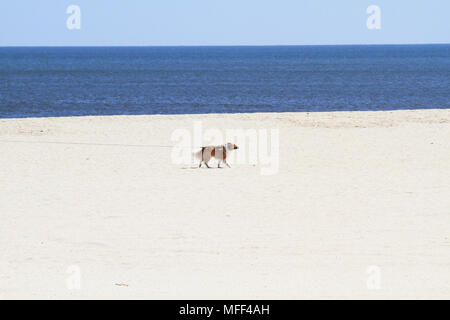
[202, 167]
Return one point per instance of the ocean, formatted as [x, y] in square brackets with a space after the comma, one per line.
[79, 81]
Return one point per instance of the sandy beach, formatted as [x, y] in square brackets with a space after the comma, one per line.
[95, 207]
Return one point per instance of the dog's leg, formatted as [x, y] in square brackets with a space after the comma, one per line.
[200, 165]
[218, 164]
[207, 156]
[227, 164]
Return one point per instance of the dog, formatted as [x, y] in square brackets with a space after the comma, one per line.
[218, 152]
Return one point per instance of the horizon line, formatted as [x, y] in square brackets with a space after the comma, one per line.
[223, 45]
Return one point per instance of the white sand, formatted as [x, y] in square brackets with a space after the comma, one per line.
[354, 190]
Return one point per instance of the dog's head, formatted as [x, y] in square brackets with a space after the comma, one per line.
[231, 146]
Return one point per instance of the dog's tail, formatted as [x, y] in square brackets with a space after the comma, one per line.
[198, 154]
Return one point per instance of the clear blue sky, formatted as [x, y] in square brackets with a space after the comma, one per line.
[224, 22]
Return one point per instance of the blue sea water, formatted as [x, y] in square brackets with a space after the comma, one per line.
[75, 81]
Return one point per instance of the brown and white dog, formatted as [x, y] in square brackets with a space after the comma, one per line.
[218, 152]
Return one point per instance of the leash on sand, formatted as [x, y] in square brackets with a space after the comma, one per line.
[98, 144]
